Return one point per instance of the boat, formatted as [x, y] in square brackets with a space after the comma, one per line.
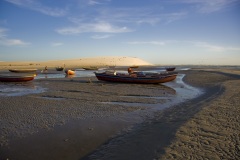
[90, 68]
[170, 68]
[133, 66]
[59, 68]
[69, 72]
[22, 70]
[16, 78]
[136, 77]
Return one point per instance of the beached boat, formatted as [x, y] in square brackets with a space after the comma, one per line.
[59, 68]
[22, 70]
[15, 78]
[69, 72]
[90, 68]
[133, 66]
[136, 77]
[170, 68]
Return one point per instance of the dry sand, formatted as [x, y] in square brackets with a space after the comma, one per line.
[69, 122]
[78, 63]
[213, 132]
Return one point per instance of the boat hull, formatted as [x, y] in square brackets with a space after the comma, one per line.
[90, 68]
[170, 68]
[151, 79]
[22, 70]
[59, 68]
[16, 78]
[70, 72]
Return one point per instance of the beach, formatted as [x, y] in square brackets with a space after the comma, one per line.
[77, 63]
[74, 118]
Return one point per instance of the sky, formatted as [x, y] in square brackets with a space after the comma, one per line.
[199, 32]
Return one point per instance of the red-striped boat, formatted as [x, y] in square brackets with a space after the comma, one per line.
[16, 78]
[137, 77]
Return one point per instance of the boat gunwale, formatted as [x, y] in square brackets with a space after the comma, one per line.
[22, 70]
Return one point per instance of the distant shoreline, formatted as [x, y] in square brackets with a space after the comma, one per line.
[100, 62]
[78, 63]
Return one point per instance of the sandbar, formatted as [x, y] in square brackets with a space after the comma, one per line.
[68, 122]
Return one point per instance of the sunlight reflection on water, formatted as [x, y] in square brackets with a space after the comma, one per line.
[19, 89]
[182, 93]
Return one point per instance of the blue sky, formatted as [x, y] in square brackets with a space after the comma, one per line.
[158, 31]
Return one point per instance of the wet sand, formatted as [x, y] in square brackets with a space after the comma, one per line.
[71, 117]
[206, 127]
[68, 122]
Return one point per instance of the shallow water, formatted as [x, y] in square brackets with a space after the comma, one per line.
[90, 73]
[182, 92]
[67, 135]
[19, 89]
[24, 88]
[78, 73]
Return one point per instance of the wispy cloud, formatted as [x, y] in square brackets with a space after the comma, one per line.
[100, 27]
[161, 43]
[215, 48]
[5, 41]
[3, 22]
[56, 44]
[171, 17]
[3, 32]
[13, 42]
[97, 2]
[99, 19]
[199, 44]
[101, 36]
[92, 2]
[146, 15]
[37, 6]
[209, 6]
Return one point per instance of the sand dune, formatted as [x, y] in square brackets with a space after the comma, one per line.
[78, 63]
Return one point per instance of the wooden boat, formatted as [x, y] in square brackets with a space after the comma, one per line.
[22, 70]
[59, 68]
[69, 72]
[137, 77]
[90, 68]
[170, 68]
[133, 66]
[15, 78]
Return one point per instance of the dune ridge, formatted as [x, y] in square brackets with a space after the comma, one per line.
[79, 62]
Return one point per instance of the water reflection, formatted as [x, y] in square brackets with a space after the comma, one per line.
[174, 92]
[165, 94]
[59, 74]
[70, 76]
[50, 75]
[90, 73]
[19, 89]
